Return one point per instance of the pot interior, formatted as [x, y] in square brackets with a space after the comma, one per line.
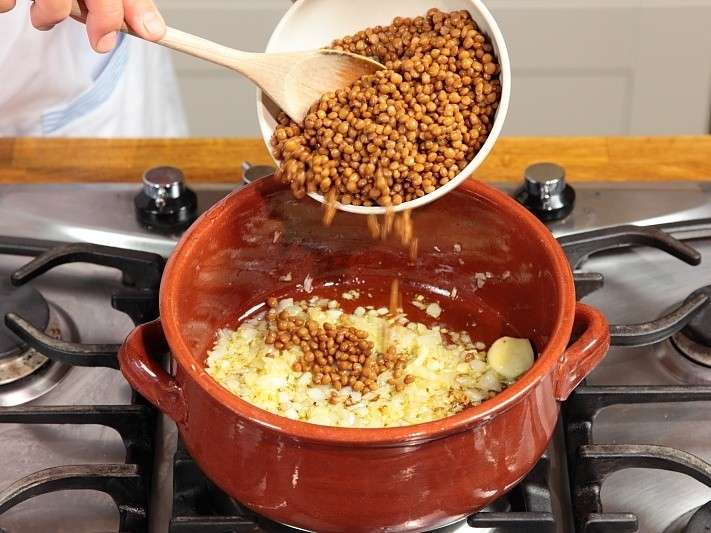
[241, 251]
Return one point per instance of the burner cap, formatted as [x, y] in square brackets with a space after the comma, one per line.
[700, 522]
[699, 329]
[694, 341]
[24, 301]
[694, 351]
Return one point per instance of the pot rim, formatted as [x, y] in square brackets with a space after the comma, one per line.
[544, 365]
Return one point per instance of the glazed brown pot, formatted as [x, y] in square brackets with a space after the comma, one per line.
[344, 479]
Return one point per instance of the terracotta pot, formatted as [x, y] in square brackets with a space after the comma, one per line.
[393, 479]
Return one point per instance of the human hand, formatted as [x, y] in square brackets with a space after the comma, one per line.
[104, 18]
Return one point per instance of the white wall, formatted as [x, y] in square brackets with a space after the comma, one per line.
[580, 67]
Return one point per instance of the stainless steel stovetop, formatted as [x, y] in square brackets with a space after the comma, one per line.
[640, 285]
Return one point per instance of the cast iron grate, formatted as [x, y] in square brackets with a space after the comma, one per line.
[594, 462]
[128, 484]
[669, 238]
[199, 506]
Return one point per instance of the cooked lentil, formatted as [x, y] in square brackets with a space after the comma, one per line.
[402, 132]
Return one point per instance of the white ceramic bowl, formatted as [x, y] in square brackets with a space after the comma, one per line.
[311, 24]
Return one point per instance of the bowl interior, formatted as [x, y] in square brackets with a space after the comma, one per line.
[311, 24]
[260, 242]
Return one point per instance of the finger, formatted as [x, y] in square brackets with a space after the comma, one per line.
[6, 5]
[44, 14]
[144, 18]
[103, 22]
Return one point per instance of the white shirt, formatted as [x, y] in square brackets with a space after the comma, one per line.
[53, 84]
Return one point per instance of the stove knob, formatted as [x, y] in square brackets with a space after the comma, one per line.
[545, 192]
[163, 183]
[165, 204]
[252, 172]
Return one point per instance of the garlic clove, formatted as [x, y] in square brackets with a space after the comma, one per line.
[510, 356]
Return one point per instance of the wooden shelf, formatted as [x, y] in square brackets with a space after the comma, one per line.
[48, 160]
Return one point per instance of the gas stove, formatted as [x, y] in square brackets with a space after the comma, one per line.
[81, 264]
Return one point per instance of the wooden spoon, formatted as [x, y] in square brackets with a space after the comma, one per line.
[294, 80]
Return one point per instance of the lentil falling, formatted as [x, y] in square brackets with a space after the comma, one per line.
[402, 132]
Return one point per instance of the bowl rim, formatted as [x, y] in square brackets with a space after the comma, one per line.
[499, 43]
[545, 365]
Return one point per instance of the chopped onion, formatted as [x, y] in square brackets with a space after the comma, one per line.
[447, 369]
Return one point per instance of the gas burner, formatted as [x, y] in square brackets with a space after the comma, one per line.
[697, 520]
[687, 354]
[26, 374]
[694, 351]
[694, 341]
[28, 302]
[38, 383]
[700, 521]
[16, 367]
[676, 362]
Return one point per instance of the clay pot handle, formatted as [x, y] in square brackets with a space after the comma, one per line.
[146, 375]
[585, 353]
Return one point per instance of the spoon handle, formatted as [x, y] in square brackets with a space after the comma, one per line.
[181, 41]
